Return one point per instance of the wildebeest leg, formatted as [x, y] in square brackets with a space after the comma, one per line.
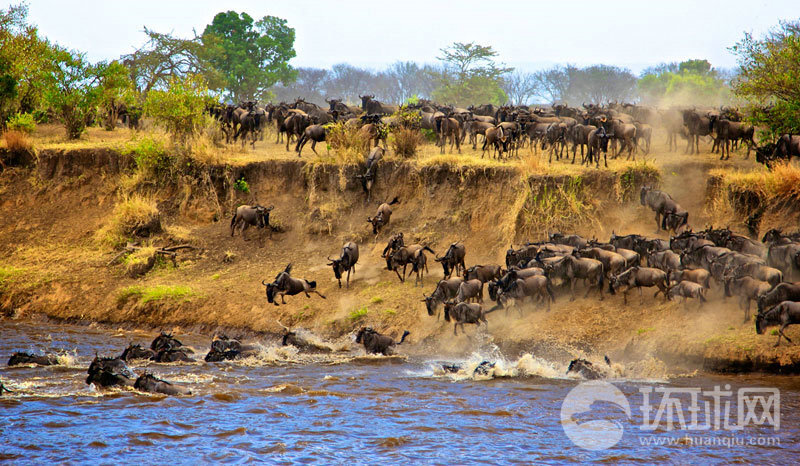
[283, 297]
[242, 230]
[402, 280]
[348, 280]
[455, 329]
[572, 288]
[747, 311]
[315, 291]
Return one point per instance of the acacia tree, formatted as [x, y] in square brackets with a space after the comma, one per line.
[470, 75]
[251, 55]
[769, 73]
[520, 87]
[180, 108]
[115, 92]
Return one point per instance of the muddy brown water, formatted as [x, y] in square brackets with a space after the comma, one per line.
[286, 407]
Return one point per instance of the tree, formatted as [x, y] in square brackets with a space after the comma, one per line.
[601, 84]
[163, 57]
[251, 55]
[116, 92]
[180, 108]
[72, 93]
[769, 77]
[520, 87]
[552, 84]
[691, 82]
[470, 75]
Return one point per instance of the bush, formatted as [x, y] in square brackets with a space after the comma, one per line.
[347, 142]
[22, 122]
[241, 185]
[133, 216]
[180, 108]
[406, 141]
[17, 141]
[150, 155]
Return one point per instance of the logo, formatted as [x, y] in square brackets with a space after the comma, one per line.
[592, 434]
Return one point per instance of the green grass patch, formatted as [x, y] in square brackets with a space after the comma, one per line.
[215, 276]
[8, 274]
[644, 330]
[147, 294]
[390, 312]
[358, 314]
[376, 300]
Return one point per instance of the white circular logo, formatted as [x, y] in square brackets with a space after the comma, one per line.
[596, 434]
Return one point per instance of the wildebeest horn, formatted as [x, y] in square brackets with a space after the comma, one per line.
[264, 282]
[279, 323]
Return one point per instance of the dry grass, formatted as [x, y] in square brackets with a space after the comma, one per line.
[347, 143]
[132, 213]
[405, 142]
[17, 141]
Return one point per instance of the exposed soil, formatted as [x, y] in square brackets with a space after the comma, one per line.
[50, 213]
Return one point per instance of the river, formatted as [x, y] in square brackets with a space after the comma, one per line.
[286, 407]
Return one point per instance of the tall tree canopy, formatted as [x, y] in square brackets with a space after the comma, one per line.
[251, 55]
[471, 75]
[691, 82]
[769, 72]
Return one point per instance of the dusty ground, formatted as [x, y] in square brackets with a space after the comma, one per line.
[51, 263]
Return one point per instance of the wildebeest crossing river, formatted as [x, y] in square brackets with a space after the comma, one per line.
[285, 407]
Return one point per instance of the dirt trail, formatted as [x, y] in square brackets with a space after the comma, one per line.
[52, 264]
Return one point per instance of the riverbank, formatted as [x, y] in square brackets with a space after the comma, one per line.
[55, 263]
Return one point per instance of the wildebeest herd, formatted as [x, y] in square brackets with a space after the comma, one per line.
[625, 128]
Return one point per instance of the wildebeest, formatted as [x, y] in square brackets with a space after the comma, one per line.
[495, 137]
[405, 255]
[346, 262]
[370, 105]
[782, 292]
[533, 286]
[687, 290]
[107, 372]
[20, 358]
[170, 354]
[586, 369]
[371, 170]
[597, 142]
[466, 313]
[699, 276]
[165, 341]
[570, 269]
[313, 133]
[748, 289]
[376, 343]
[149, 383]
[285, 284]
[133, 352]
[662, 204]
[731, 131]
[445, 290]
[484, 273]
[448, 128]
[382, 216]
[784, 314]
[697, 126]
[664, 260]
[613, 263]
[638, 277]
[453, 259]
[250, 215]
[575, 241]
[470, 289]
[295, 124]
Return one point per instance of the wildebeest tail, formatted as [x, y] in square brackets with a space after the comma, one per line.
[233, 221]
[396, 200]
[496, 307]
[403, 338]
[426, 248]
[312, 283]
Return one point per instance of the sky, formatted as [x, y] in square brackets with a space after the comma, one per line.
[528, 35]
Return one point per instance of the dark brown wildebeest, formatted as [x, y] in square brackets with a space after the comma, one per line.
[730, 131]
[470, 289]
[336, 105]
[295, 124]
[315, 134]
[376, 343]
[578, 135]
[514, 273]
[370, 105]
[697, 126]
[405, 255]
[687, 290]
[575, 241]
[662, 204]
[782, 292]
[107, 372]
[475, 127]
[247, 215]
[382, 216]
[484, 273]
[688, 241]
[448, 128]
[285, 284]
[699, 276]
[149, 383]
[597, 140]
[534, 286]
[522, 255]
[664, 260]
[638, 277]
[748, 289]
[613, 263]
[788, 146]
[20, 358]
[453, 259]
[570, 269]
[133, 352]
[346, 262]
[758, 271]
[644, 133]
[623, 132]
[371, 170]
[784, 314]
[445, 290]
[496, 138]
[466, 313]
[674, 221]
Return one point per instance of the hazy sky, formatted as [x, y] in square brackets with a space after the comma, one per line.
[527, 34]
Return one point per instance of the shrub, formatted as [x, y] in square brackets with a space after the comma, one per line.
[347, 142]
[22, 122]
[150, 155]
[148, 294]
[180, 108]
[72, 95]
[406, 141]
[133, 216]
[358, 314]
[17, 141]
[241, 185]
